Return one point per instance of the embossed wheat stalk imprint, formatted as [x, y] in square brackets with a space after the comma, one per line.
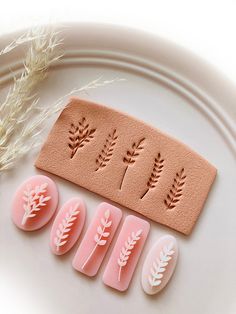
[102, 234]
[107, 151]
[155, 175]
[62, 233]
[126, 250]
[79, 135]
[131, 157]
[159, 265]
[176, 191]
[34, 200]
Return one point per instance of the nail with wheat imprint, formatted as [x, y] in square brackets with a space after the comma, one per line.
[107, 151]
[67, 226]
[102, 234]
[79, 136]
[176, 192]
[64, 228]
[34, 201]
[155, 175]
[96, 241]
[159, 265]
[126, 250]
[131, 157]
[126, 253]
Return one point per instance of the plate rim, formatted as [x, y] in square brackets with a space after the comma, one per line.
[212, 88]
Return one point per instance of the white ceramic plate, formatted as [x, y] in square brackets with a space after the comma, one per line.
[175, 91]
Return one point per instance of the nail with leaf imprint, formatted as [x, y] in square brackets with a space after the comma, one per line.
[126, 253]
[34, 203]
[159, 265]
[67, 226]
[97, 239]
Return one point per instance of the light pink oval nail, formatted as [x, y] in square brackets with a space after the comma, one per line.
[159, 265]
[34, 203]
[67, 226]
[97, 239]
[126, 253]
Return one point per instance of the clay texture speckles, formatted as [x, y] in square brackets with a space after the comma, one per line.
[128, 162]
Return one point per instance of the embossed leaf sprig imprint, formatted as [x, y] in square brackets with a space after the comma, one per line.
[127, 250]
[131, 157]
[176, 192]
[64, 228]
[79, 136]
[107, 151]
[155, 175]
[34, 201]
[102, 234]
[159, 265]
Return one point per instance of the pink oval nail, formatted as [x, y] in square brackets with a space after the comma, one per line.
[34, 203]
[67, 226]
[159, 265]
[97, 239]
[126, 253]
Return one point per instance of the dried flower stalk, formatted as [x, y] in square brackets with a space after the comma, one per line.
[17, 135]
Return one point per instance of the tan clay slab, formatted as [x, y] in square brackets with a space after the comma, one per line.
[129, 162]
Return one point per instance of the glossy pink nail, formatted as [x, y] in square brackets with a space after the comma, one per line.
[34, 203]
[126, 253]
[67, 226]
[97, 239]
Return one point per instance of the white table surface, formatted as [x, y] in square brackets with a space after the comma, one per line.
[206, 27]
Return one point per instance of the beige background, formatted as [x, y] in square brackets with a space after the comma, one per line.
[35, 281]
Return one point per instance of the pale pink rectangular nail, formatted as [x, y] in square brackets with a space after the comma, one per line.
[97, 239]
[126, 253]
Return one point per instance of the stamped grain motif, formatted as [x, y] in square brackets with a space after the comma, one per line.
[131, 157]
[155, 175]
[176, 192]
[64, 228]
[127, 249]
[79, 136]
[102, 234]
[107, 152]
[160, 264]
[34, 200]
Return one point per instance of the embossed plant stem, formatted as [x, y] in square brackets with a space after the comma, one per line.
[34, 200]
[25, 217]
[120, 269]
[145, 194]
[127, 250]
[123, 177]
[95, 247]
[66, 227]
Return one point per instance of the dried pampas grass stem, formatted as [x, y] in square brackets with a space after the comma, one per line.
[19, 127]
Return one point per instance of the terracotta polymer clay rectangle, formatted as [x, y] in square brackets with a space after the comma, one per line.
[129, 162]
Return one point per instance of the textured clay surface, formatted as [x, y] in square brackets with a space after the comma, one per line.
[129, 162]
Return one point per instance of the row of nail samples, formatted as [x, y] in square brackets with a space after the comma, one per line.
[35, 203]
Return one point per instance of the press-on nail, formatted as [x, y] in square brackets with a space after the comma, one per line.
[126, 253]
[97, 239]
